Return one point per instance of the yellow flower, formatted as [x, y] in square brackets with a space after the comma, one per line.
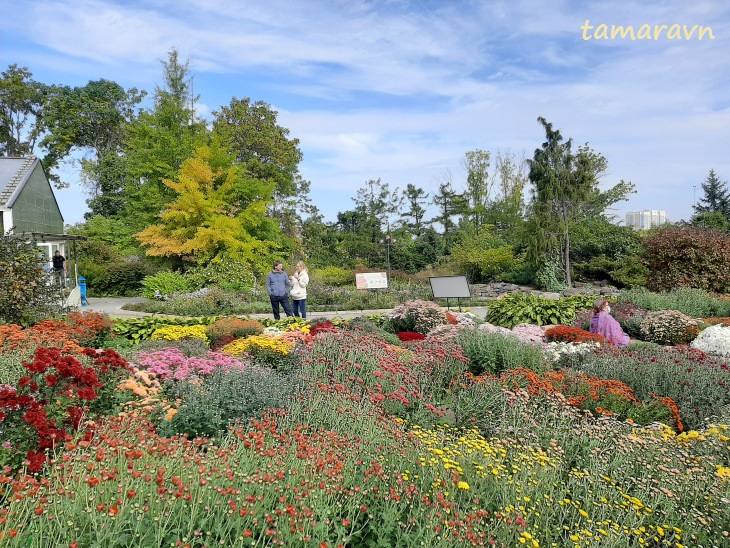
[463, 485]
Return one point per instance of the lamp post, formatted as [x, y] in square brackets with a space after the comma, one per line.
[389, 241]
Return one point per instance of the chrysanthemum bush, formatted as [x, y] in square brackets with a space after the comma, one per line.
[668, 327]
[174, 365]
[696, 382]
[566, 333]
[50, 401]
[235, 327]
[714, 340]
[418, 316]
[177, 332]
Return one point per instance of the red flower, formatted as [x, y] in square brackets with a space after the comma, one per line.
[410, 336]
[87, 393]
[36, 460]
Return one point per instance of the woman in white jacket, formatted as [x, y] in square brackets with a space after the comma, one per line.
[298, 293]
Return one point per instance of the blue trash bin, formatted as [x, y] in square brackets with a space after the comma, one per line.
[82, 290]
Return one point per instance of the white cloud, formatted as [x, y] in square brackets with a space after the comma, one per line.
[401, 90]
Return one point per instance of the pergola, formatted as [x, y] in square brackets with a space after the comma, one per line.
[69, 239]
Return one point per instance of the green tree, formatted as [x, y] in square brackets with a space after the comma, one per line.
[565, 190]
[92, 119]
[219, 213]
[414, 212]
[711, 220]
[158, 141]
[478, 186]
[251, 132]
[716, 198]
[481, 255]
[21, 107]
[451, 205]
[506, 212]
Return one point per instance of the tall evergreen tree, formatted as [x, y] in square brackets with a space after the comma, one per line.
[452, 205]
[414, 212]
[716, 198]
[563, 181]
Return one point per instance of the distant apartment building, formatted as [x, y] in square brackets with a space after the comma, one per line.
[644, 220]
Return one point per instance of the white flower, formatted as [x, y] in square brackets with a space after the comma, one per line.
[714, 340]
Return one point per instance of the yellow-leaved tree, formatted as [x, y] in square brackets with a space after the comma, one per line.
[220, 213]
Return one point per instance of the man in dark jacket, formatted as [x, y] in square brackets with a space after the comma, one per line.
[277, 286]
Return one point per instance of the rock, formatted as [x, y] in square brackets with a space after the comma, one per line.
[550, 295]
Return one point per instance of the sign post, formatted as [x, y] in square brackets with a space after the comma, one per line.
[450, 287]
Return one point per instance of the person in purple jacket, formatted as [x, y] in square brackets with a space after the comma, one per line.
[604, 324]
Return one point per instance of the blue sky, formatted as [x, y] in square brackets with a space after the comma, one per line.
[400, 90]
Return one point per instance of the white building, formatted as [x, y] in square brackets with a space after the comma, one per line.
[644, 220]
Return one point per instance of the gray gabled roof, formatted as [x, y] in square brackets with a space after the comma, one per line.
[14, 172]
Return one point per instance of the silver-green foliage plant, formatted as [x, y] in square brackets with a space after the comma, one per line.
[11, 367]
[225, 396]
[668, 327]
[693, 302]
[490, 352]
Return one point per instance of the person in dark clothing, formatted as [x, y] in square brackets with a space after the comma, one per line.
[59, 268]
[278, 286]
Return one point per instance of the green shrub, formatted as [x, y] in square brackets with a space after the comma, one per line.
[224, 272]
[333, 275]
[517, 308]
[495, 352]
[693, 302]
[631, 272]
[669, 327]
[550, 276]
[225, 396]
[27, 294]
[688, 256]
[165, 283]
[121, 279]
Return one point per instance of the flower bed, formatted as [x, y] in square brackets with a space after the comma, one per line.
[372, 442]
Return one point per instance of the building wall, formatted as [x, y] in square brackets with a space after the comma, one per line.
[36, 209]
[646, 219]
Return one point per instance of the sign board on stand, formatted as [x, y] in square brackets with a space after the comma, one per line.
[450, 287]
[371, 280]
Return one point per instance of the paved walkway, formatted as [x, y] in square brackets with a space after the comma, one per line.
[113, 307]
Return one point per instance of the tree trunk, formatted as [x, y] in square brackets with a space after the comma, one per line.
[567, 258]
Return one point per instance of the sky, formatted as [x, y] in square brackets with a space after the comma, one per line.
[400, 90]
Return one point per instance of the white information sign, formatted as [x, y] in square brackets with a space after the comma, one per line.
[371, 280]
